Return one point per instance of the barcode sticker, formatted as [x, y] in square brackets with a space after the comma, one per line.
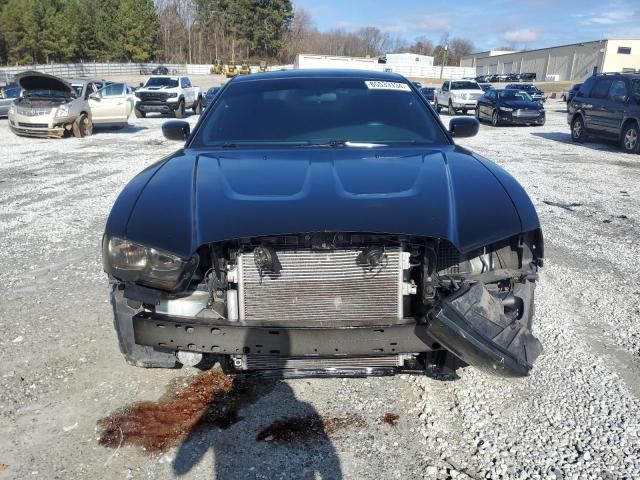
[378, 85]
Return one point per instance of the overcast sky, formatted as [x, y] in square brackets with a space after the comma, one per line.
[487, 23]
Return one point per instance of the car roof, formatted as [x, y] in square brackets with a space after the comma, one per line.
[323, 73]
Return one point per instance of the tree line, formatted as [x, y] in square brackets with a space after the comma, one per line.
[189, 31]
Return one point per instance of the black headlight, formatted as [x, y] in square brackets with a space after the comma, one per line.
[132, 262]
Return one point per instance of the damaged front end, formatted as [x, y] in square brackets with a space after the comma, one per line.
[331, 303]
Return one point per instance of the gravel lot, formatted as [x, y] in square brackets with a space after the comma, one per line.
[577, 416]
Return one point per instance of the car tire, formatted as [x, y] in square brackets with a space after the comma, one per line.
[82, 126]
[495, 119]
[630, 138]
[180, 110]
[438, 107]
[478, 115]
[452, 111]
[139, 113]
[464, 112]
[197, 107]
[578, 130]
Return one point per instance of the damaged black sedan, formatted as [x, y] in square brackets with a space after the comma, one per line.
[336, 230]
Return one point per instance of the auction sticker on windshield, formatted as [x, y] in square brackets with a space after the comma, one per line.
[377, 85]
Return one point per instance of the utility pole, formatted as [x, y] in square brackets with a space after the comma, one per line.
[446, 49]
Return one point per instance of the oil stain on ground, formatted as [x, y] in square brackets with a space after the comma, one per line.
[308, 427]
[391, 419]
[211, 399]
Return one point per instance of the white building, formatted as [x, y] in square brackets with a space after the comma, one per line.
[563, 63]
[408, 60]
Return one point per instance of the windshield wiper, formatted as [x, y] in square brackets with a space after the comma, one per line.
[347, 143]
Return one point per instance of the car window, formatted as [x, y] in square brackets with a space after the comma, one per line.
[618, 91]
[635, 87]
[514, 95]
[11, 92]
[601, 88]
[465, 86]
[78, 88]
[162, 82]
[114, 90]
[586, 87]
[318, 111]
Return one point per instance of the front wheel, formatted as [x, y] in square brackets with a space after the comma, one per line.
[578, 131]
[452, 111]
[478, 115]
[180, 110]
[464, 112]
[139, 113]
[197, 107]
[629, 140]
[83, 126]
[438, 107]
[495, 119]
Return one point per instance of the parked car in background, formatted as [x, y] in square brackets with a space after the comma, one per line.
[485, 86]
[51, 106]
[208, 97]
[532, 90]
[458, 95]
[256, 242]
[607, 106]
[507, 106]
[8, 96]
[528, 77]
[430, 94]
[418, 85]
[168, 95]
[513, 77]
[482, 78]
[160, 70]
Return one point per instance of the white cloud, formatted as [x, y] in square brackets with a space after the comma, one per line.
[609, 18]
[521, 35]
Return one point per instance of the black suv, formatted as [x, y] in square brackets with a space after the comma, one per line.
[607, 105]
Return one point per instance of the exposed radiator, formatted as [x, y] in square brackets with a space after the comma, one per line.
[321, 285]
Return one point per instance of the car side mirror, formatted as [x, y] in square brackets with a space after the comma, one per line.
[176, 130]
[95, 96]
[461, 127]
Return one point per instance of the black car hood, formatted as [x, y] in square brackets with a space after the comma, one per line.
[32, 81]
[195, 198]
[522, 105]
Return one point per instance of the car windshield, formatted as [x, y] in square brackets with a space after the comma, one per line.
[464, 86]
[428, 90]
[319, 111]
[162, 82]
[78, 88]
[514, 95]
[47, 93]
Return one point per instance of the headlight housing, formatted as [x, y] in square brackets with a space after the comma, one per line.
[172, 95]
[506, 109]
[137, 94]
[63, 110]
[12, 110]
[133, 262]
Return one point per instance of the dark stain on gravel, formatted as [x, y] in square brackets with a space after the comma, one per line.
[211, 399]
[566, 206]
[308, 427]
[391, 419]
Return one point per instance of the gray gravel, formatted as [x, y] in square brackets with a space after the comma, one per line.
[577, 416]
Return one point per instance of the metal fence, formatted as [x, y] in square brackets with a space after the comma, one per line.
[105, 70]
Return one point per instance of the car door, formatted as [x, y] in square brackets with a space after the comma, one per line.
[617, 106]
[185, 84]
[444, 94]
[110, 105]
[482, 104]
[596, 107]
